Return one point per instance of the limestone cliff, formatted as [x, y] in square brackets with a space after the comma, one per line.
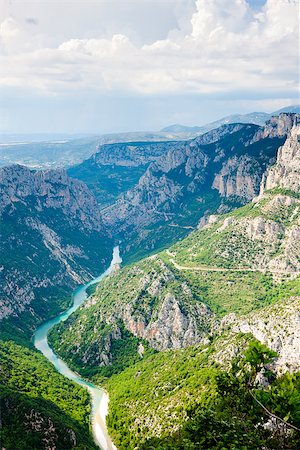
[286, 172]
[277, 326]
[145, 301]
[52, 239]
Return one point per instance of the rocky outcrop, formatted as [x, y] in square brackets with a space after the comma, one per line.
[146, 301]
[265, 236]
[129, 154]
[49, 189]
[285, 173]
[173, 321]
[170, 327]
[239, 177]
[116, 168]
[276, 326]
[277, 126]
[52, 239]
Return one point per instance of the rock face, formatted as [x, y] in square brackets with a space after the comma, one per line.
[49, 189]
[285, 173]
[172, 300]
[238, 177]
[52, 239]
[116, 168]
[219, 169]
[170, 327]
[130, 154]
[277, 326]
[264, 236]
[146, 300]
[279, 125]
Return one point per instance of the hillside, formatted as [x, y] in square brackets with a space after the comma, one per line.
[39, 407]
[215, 172]
[52, 240]
[167, 335]
[115, 168]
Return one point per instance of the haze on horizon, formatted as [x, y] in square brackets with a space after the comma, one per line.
[98, 67]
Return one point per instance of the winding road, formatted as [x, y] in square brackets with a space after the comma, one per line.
[99, 396]
[278, 273]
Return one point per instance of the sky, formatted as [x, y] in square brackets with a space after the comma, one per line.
[80, 66]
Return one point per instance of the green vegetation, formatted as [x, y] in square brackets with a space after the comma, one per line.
[185, 400]
[107, 182]
[238, 292]
[204, 396]
[28, 262]
[174, 227]
[118, 344]
[236, 240]
[37, 403]
[172, 215]
[199, 397]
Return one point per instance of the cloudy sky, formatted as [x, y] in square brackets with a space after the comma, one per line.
[104, 66]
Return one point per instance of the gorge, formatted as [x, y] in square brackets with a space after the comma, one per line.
[209, 235]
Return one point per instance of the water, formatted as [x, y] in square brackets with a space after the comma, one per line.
[98, 395]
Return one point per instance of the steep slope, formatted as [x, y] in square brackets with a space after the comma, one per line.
[263, 235]
[174, 299]
[197, 306]
[115, 168]
[52, 239]
[40, 409]
[214, 172]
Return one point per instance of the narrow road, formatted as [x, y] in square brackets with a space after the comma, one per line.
[223, 269]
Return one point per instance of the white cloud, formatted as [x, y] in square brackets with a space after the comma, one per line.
[230, 48]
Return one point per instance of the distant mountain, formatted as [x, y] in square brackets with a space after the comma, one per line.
[288, 109]
[52, 240]
[177, 128]
[258, 118]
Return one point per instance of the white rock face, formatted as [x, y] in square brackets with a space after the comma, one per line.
[239, 176]
[261, 229]
[286, 172]
[278, 327]
[172, 328]
[50, 224]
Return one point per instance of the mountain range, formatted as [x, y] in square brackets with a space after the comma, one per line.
[216, 171]
[258, 118]
[46, 151]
